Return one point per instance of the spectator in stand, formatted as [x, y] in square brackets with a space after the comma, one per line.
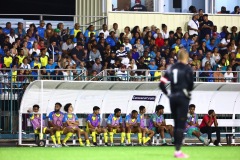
[111, 60]
[51, 65]
[228, 76]
[90, 30]
[215, 37]
[135, 37]
[218, 76]
[206, 27]
[224, 32]
[203, 48]
[224, 42]
[193, 25]
[56, 38]
[122, 74]
[115, 29]
[186, 42]
[127, 45]
[35, 49]
[97, 65]
[41, 29]
[147, 39]
[216, 55]
[159, 40]
[158, 58]
[6, 43]
[104, 31]
[57, 74]
[35, 61]
[209, 59]
[48, 32]
[7, 60]
[153, 52]
[8, 28]
[13, 50]
[218, 36]
[112, 39]
[178, 33]
[164, 32]
[192, 9]
[171, 39]
[234, 34]
[152, 67]
[25, 64]
[121, 53]
[211, 45]
[205, 127]
[67, 73]
[200, 19]
[207, 39]
[67, 47]
[138, 6]
[54, 52]
[2, 37]
[41, 44]
[12, 36]
[141, 66]
[135, 54]
[176, 46]
[196, 62]
[19, 31]
[223, 10]
[139, 46]
[20, 56]
[94, 53]
[127, 32]
[43, 57]
[236, 10]
[74, 31]
[78, 53]
[33, 32]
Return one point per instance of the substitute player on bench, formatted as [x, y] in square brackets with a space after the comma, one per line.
[71, 122]
[133, 127]
[115, 125]
[145, 130]
[93, 126]
[56, 123]
[35, 119]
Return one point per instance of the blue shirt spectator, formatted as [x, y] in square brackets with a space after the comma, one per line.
[186, 43]
[7, 29]
[41, 29]
[152, 66]
[112, 40]
[50, 67]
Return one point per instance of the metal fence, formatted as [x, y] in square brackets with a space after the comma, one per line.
[12, 87]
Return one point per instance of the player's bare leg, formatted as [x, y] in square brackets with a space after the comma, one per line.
[51, 132]
[169, 129]
[82, 132]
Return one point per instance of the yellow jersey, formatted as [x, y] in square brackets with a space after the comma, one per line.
[7, 61]
[20, 59]
[44, 61]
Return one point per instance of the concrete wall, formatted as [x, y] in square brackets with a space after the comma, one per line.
[173, 21]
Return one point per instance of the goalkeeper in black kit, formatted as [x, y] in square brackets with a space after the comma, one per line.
[180, 76]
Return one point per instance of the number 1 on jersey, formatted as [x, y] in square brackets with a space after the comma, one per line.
[175, 76]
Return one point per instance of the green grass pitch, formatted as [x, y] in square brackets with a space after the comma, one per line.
[117, 153]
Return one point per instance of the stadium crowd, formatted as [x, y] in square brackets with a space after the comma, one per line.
[63, 54]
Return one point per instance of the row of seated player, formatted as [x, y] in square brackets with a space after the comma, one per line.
[68, 124]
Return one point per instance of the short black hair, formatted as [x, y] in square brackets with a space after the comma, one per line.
[116, 110]
[36, 106]
[58, 102]
[191, 106]
[95, 108]
[205, 15]
[210, 111]
[134, 111]
[158, 107]
[67, 106]
[141, 108]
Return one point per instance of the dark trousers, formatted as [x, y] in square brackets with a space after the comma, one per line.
[209, 131]
[179, 108]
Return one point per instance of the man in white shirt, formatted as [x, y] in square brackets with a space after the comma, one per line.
[193, 25]
[104, 31]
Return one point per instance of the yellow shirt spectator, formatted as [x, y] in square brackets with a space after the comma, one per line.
[20, 59]
[44, 61]
[8, 61]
